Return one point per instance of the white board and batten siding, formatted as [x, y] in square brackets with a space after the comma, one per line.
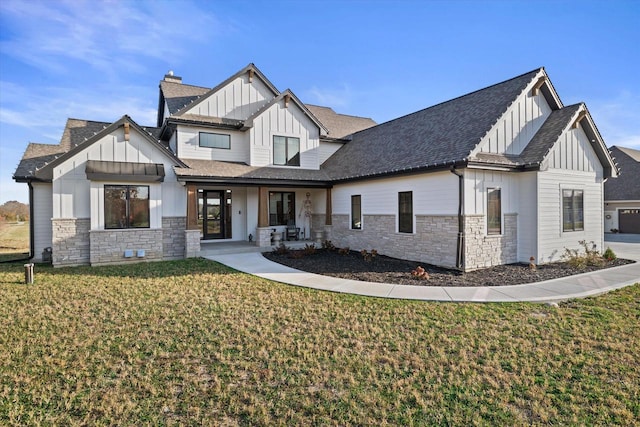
[433, 194]
[291, 121]
[572, 165]
[42, 232]
[513, 131]
[328, 149]
[74, 196]
[188, 141]
[239, 99]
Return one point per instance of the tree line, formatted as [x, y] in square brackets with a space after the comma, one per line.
[14, 211]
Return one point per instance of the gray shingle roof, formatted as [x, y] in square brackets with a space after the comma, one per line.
[443, 134]
[339, 125]
[177, 95]
[627, 185]
[76, 133]
[548, 134]
[240, 171]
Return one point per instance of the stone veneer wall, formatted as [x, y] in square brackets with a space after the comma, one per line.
[173, 238]
[108, 246]
[70, 241]
[485, 251]
[434, 240]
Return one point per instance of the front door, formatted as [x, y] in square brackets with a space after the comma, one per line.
[214, 214]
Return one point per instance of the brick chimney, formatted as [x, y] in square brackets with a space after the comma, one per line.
[169, 77]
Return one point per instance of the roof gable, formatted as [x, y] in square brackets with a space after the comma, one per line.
[444, 134]
[251, 71]
[75, 139]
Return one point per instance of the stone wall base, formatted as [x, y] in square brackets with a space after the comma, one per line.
[70, 241]
[482, 250]
[263, 236]
[123, 246]
[433, 242]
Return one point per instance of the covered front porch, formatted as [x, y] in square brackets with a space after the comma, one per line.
[230, 217]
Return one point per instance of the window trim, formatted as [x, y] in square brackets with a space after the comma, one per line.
[353, 223]
[493, 232]
[214, 133]
[400, 213]
[128, 225]
[286, 151]
[574, 192]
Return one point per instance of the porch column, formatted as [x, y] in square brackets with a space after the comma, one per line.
[263, 207]
[192, 207]
[192, 233]
[327, 220]
[263, 232]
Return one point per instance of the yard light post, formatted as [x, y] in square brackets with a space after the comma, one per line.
[28, 274]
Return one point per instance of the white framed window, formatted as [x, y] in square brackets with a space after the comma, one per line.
[494, 211]
[572, 210]
[215, 140]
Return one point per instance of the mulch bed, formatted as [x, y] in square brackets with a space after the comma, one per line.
[385, 269]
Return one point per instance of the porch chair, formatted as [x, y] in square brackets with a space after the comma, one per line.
[292, 230]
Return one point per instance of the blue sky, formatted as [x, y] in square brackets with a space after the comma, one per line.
[380, 59]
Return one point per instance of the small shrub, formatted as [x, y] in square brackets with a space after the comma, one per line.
[420, 273]
[309, 249]
[343, 251]
[580, 260]
[369, 256]
[328, 245]
[609, 255]
[296, 254]
[281, 249]
[532, 264]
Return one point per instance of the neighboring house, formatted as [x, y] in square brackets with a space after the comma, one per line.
[622, 194]
[492, 177]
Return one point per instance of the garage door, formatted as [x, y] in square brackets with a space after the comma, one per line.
[629, 220]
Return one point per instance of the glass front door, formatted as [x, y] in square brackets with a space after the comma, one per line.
[214, 214]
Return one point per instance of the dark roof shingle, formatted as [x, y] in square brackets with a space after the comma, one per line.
[627, 185]
[443, 134]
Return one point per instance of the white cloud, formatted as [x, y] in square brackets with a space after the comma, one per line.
[108, 36]
[330, 97]
[618, 119]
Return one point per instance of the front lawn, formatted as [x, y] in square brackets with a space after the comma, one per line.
[194, 343]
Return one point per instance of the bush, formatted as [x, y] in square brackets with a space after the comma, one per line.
[309, 249]
[369, 256]
[590, 257]
[609, 255]
[328, 245]
[281, 249]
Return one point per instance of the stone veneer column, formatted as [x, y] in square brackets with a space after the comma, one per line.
[173, 237]
[70, 241]
[191, 243]
[263, 236]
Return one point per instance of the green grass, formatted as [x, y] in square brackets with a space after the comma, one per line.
[193, 343]
[14, 240]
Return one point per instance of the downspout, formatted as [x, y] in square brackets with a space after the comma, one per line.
[460, 242]
[32, 238]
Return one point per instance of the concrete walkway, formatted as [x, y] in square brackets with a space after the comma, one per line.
[579, 286]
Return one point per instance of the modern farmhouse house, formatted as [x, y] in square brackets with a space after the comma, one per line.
[492, 177]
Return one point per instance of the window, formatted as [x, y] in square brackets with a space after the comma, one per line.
[572, 210]
[215, 140]
[356, 212]
[286, 151]
[282, 208]
[126, 206]
[405, 212]
[494, 211]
